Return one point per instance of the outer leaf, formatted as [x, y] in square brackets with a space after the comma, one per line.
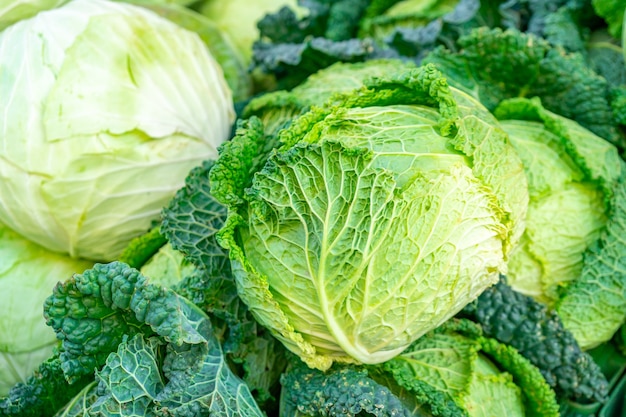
[340, 392]
[467, 367]
[594, 307]
[131, 383]
[412, 28]
[417, 394]
[606, 58]
[201, 383]
[91, 313]
[526, 66]
[538, 334]
[444, 361]
[539, 398]
[293, 47]
[130, 380]
[43, 393]
[295, 62]
[191, 222]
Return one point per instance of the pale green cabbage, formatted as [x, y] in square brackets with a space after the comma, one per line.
[571, 173]
[104, 109]
[374, 219]
[28, 273]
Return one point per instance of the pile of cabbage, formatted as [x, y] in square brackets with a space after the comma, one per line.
[220, 227]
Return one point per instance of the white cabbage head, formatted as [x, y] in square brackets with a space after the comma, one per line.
[104, 108]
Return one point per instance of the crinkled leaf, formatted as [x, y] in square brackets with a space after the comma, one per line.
[444, 361]
[41, 394]
[522, 65]
[201, 383]
[339, 392]
[562, 28]
[92, 311]
[412, 28]
[191, 221]
[495, 395]
[28, 272]
[417, 394]
[466, 367]
[618, 102]
[278, 109]
[130, 380]
[110, 312]
[538, 334]
[334, 20]
[607, 59]
[294, 62]
[539, 398]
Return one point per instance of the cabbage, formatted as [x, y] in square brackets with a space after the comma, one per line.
[373, 219]
[571, 173]
[105, 108]
[238, 18]
[572, 253]
[28, 273]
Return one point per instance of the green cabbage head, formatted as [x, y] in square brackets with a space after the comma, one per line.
[571, 175]
[28, 274]
[371, 220]
[104, 108]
